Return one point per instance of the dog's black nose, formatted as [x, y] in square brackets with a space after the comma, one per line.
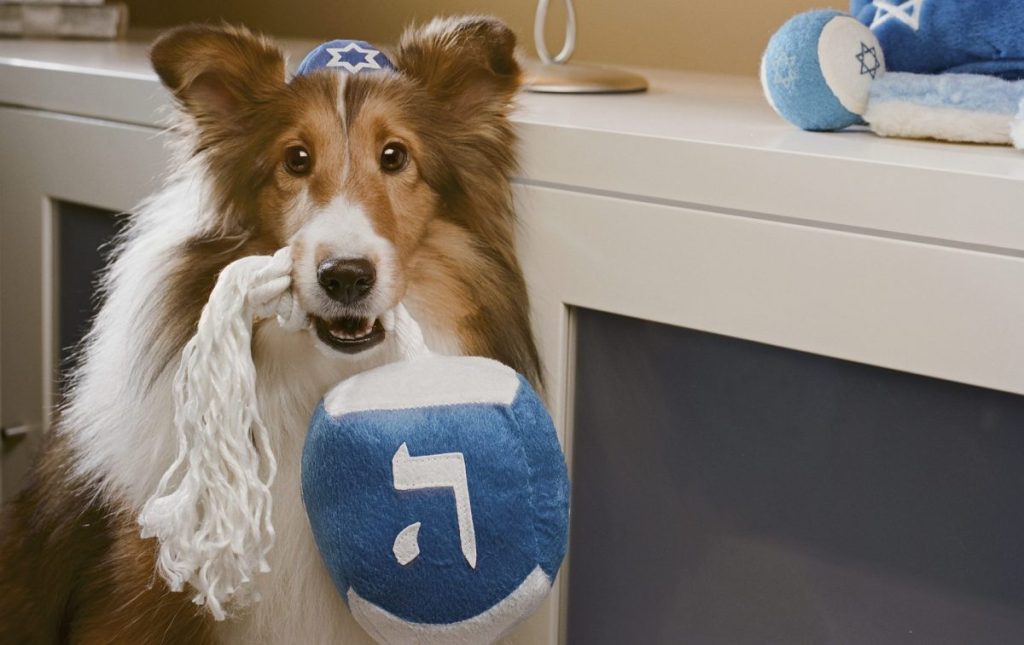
[346, 281]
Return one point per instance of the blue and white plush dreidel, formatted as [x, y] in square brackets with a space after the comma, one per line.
[438, 496]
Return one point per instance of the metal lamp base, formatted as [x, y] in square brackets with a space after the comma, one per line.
[572, 78]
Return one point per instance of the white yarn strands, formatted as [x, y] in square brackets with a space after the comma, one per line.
[211, 511]
[212, 508]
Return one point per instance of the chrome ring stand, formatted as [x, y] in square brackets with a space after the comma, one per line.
[556, 75]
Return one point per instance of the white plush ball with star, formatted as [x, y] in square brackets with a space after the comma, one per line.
[818, 69]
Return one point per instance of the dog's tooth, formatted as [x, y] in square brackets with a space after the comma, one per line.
[352, 328]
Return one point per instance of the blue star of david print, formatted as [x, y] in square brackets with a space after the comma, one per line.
[869, 63]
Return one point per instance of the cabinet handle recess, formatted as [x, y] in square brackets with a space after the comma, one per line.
[9, 432]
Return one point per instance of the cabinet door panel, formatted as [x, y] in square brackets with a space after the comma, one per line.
[732, 492]
[47, 160]
[921, 307]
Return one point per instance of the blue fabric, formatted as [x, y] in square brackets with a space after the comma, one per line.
[548, 479]
[971, 92]
[348, 56]
[793, 80]
[933, 36]
[519, 494]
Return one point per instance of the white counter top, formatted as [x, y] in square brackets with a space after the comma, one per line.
[696, 140]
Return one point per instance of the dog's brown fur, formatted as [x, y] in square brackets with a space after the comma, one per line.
[72, 565]
[74, 570]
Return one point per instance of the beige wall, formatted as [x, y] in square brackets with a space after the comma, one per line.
[706, 35]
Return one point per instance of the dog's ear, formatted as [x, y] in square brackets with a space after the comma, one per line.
[468, 63]
[216, 71]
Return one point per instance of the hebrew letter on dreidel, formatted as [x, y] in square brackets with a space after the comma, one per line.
[447, 470]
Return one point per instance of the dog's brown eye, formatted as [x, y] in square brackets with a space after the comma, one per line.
[393, 157]
[298, 161]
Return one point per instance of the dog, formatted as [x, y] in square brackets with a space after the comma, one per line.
[388, 187]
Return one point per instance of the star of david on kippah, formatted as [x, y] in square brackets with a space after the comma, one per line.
[350, 56]
[353, 58]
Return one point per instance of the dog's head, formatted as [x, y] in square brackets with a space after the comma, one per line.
[377, 181]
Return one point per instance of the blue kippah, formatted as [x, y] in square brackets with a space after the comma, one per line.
[350, 56]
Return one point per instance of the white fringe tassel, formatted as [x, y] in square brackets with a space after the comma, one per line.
[1017, 128]
[212, 509]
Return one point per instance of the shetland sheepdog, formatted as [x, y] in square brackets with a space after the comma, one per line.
[388, 187]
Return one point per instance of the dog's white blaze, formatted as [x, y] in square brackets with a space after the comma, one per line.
[343, 115]
[346, 232]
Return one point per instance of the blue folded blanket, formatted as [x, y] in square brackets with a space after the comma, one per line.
[933, 36]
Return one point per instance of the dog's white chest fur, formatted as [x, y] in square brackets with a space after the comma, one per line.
[299, 603]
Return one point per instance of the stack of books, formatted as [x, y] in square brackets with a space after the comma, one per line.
[62, 19]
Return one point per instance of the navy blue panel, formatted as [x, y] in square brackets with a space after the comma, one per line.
[731, 492]
[83, 235]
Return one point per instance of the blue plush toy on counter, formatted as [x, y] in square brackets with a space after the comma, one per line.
[938, 69]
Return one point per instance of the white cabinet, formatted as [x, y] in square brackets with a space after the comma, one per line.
[48, 159]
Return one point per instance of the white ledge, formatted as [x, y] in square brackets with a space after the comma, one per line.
[695, 140]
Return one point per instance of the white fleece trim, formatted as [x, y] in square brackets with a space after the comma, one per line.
[1017, 128]
[388, 629]
[901, 119]
[425, 382]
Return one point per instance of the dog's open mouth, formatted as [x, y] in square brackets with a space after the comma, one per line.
[349, 334]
